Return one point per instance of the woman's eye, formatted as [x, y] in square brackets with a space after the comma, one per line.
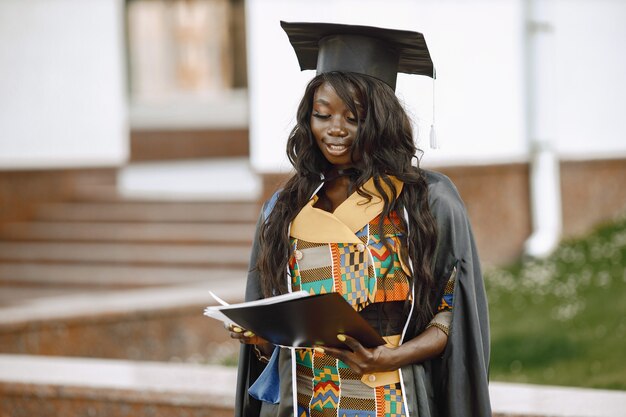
[352, 119]
[321, 116]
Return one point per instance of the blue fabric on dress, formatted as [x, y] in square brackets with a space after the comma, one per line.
[267, 386]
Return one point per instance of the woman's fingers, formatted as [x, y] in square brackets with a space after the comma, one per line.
[243, 335]
[247, 337]
[238, 336]
[353, 344]
[344, 355]
[359, 358]
[232, 327]
[341, 354]
[356, 357]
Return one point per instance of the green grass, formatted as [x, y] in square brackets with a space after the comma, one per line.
[562, 321]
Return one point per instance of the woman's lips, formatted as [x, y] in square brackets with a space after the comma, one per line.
[336, 149]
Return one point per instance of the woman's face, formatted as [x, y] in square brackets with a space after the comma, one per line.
[334, 126]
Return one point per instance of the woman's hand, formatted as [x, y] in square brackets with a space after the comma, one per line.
[244, 336]
[363, 360]
[429, 344]
[249, 338]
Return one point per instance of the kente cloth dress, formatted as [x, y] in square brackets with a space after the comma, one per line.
[344, 252]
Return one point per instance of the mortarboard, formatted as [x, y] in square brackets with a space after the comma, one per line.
[378, 52]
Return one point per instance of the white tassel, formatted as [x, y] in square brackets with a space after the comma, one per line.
[433, 134]
[433, 138]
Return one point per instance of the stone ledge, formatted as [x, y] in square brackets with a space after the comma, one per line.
[118, 379]
[158, 324]
[112, 387]
[524, 400]
[95, 387]
[82, 278]
[229, 284]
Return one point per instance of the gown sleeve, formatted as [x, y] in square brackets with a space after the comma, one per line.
[443, 313]
[460, 375]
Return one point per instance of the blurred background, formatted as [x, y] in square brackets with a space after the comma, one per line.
[138, 139]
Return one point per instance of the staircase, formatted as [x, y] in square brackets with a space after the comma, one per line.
[115, 279]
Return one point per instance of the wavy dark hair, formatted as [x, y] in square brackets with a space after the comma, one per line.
[385, 146]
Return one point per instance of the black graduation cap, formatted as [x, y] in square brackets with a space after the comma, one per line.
[377, 52]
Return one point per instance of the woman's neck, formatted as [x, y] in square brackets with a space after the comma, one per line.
[334, 192]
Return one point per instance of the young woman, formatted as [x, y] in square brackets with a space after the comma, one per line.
[360, 218]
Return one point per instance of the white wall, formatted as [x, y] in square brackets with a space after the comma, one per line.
[478, 49]
[591, 73]
[62, 88]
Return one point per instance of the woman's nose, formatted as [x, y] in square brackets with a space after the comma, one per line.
[337, 129]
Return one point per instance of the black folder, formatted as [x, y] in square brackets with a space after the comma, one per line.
[314, 320]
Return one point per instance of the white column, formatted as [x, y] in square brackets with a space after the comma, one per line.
[545, 191]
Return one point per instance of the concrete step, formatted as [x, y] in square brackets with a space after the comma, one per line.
[47, 387]
[217, 179]
[129, 232]
[127, 253]
[93, 276]
[139, 211]
[104, 193]
[16, 295]
[162, 324]
[526, 400]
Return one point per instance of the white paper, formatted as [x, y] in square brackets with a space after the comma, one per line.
[218, 299]
[215, 312]
[268, 300]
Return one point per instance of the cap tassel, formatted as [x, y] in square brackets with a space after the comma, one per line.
[433, 138]
[433, 135]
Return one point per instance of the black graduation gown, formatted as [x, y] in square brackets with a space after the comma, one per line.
[453, 385]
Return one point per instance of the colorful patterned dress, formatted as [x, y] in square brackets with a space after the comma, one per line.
[343, 252]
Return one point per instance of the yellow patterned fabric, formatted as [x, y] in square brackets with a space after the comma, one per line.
[366, 268]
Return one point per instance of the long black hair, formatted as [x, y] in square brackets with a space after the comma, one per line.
[385, 147]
